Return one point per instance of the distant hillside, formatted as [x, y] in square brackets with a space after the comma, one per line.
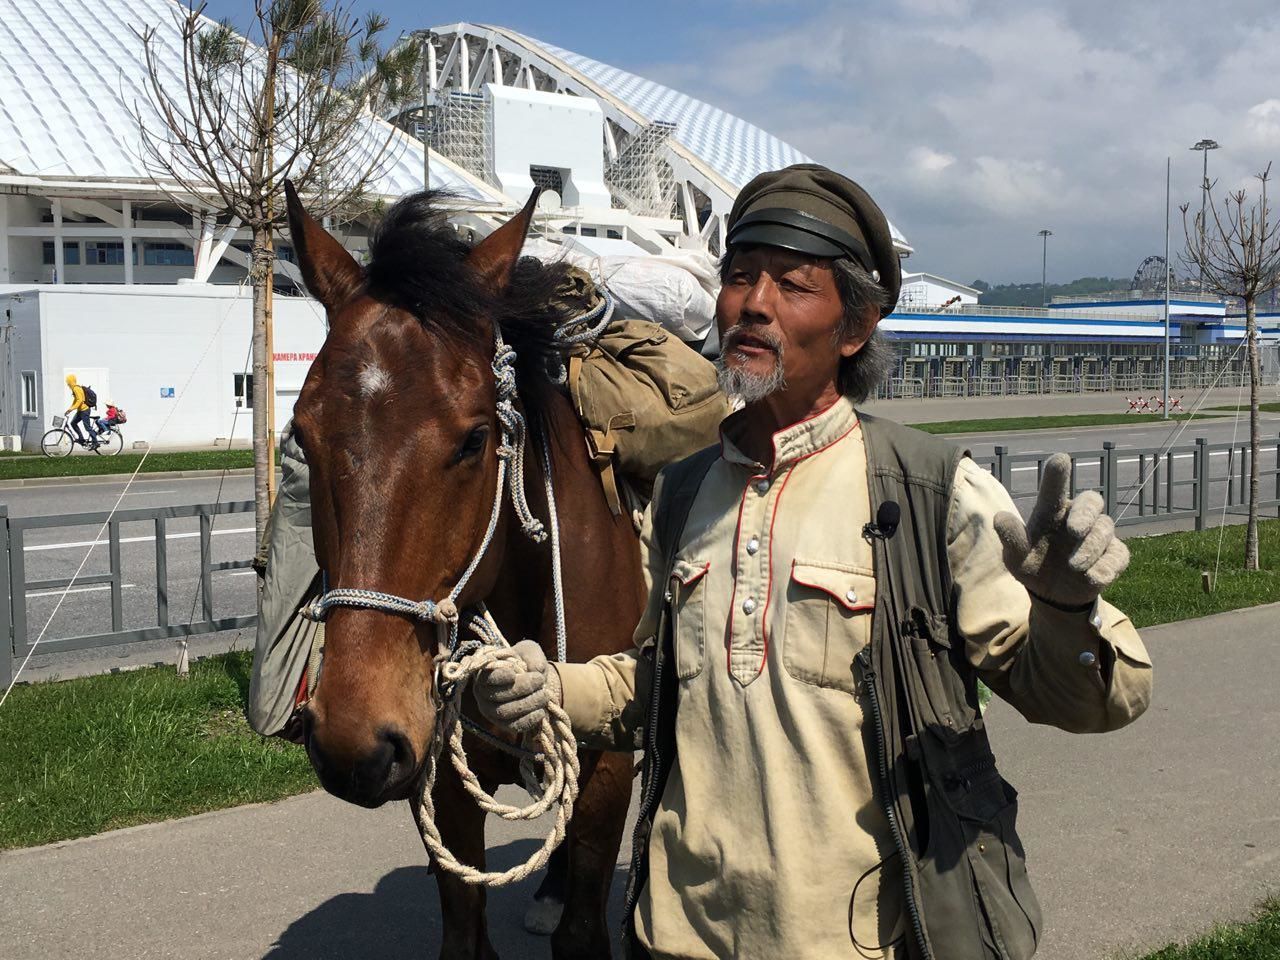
[1029, 294]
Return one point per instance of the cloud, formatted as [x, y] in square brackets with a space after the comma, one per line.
[976, 123]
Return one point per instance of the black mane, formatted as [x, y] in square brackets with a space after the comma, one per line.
[419, 263]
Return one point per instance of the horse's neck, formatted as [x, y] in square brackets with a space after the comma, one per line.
[599, 553]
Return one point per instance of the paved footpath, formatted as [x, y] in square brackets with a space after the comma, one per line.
[1135, 839]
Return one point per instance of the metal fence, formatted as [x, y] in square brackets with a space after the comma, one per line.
[1154, 484]
[1139, 485]
[988, 386]
[15, 588]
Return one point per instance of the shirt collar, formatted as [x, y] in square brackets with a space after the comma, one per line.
[795, 442]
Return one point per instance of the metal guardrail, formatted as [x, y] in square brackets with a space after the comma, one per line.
[1152, 484]
[15, 587]
[987, 386]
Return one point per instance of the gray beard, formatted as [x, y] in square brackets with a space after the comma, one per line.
[736, 382]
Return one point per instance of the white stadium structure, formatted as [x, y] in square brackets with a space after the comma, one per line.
[108, 272]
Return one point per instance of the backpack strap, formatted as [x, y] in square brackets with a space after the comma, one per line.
[680, 484]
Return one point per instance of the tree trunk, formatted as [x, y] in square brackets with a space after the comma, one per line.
[1251, 531]
[263, 465]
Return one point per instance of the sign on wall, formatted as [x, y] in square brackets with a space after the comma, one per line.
[166, 393]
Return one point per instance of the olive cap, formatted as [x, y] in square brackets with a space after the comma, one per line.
[812, 209]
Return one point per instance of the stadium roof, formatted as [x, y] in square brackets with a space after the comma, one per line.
[733, 148]
[72, 73]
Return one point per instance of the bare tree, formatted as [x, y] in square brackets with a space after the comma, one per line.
[296, 98]
[1240, 257]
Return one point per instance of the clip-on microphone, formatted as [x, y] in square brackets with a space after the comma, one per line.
[888, 516]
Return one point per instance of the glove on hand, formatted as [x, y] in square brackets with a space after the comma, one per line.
[517, 701]
[1068, 552]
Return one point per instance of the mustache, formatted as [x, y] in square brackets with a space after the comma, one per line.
[739, 333]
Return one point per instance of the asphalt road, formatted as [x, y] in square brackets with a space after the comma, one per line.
[57, 553]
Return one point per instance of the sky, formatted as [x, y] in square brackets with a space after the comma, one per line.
[974, 123]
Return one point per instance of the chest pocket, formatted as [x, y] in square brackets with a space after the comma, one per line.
[828, 621]
[688, 589]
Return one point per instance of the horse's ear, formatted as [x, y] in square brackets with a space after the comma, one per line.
[495, 256]
[329, 271]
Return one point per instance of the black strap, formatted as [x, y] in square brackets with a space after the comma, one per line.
[680, 484]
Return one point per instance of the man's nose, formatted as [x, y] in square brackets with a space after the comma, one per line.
[758, 304]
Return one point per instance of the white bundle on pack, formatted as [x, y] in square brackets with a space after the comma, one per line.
[675, 290]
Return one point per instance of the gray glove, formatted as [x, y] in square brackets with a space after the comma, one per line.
[1067, 553]
[517, 701]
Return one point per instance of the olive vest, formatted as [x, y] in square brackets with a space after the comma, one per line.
[952, 815]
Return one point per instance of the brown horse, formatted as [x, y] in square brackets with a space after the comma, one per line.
[398, 422]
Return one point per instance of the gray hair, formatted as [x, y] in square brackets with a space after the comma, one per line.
[860, 374]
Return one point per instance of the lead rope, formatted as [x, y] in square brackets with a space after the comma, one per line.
[556, 757]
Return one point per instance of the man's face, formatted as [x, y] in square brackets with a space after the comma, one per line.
[779, 314]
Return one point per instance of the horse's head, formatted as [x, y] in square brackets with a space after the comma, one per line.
[398, 421]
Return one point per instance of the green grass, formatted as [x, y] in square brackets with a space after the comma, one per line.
[91, 465]
[1262, 408]
[1162, 583]
[1258, 940]
[88, 755]
[1000, 424]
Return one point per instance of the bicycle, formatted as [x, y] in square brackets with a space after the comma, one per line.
[60, 441]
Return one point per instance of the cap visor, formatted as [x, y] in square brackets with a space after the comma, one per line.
[788, 238]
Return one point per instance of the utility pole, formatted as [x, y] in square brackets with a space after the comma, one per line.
[1044, 265]
[1204, 146]
[428, 80]
[1168, 169]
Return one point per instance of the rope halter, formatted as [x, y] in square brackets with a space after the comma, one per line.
[510, 453]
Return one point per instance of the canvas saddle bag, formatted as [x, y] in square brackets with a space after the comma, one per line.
[645, 399]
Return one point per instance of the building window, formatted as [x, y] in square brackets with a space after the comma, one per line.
[106, 252]
[168, 255]
[244, 390]
[70, 252]
[29, 393]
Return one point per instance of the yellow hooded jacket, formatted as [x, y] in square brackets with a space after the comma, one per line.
[77, 395]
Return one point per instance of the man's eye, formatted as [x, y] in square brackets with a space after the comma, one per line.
[472, 445]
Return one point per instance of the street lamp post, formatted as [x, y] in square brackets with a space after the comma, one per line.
[1204, 146]
[1044, 264]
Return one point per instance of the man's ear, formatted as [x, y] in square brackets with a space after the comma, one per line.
[852, 343]
[329, 271]
[495, 256]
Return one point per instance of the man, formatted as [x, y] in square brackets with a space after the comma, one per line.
[80, 406]
[825, 591]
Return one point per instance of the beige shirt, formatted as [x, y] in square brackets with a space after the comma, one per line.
[768, 839]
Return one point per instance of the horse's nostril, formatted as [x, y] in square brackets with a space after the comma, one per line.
[401, 749]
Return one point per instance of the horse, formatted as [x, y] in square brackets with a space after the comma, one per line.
[398, 420]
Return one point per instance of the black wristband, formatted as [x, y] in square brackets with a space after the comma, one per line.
[1083, 608]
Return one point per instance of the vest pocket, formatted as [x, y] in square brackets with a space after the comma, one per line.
[688, 619]
[828, 621]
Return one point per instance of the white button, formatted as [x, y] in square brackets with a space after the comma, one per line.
[1097, 621]
[752, 546]
[1087, 659]
[851, 597]
[762, 486]
[749, 605]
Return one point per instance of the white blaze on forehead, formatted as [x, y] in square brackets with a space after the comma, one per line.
[374, 380]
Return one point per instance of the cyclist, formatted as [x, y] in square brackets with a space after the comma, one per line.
[82, 416]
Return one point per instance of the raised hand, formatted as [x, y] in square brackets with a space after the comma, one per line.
[1067, 552]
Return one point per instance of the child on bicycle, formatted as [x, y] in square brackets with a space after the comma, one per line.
[114, 416]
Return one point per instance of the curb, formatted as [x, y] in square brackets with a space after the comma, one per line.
[123, 477]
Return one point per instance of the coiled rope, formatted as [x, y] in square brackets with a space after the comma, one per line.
[550, 773]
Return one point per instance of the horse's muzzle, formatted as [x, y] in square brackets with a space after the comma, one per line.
[385, 771]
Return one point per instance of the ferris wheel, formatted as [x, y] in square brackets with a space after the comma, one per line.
[1150, 277]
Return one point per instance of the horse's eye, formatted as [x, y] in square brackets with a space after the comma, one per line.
[473, 444]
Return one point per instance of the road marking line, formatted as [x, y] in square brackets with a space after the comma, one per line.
[146, 539]
[58, 592]
[146, 493]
